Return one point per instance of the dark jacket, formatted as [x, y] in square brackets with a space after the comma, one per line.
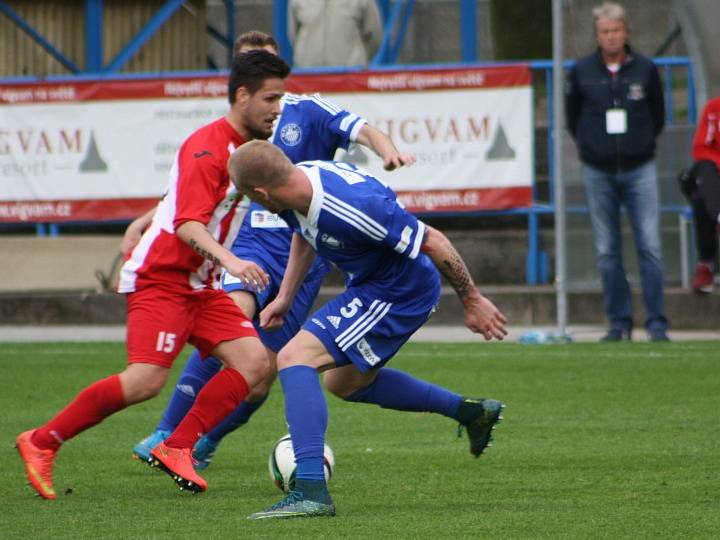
[592, 89]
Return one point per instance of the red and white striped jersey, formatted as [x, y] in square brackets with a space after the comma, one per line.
[200, 190]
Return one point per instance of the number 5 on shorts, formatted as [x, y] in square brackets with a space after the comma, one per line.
[351, 309]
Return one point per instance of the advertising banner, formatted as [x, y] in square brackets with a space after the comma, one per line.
[102, 150]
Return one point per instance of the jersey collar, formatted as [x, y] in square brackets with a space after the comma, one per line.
[313, 174]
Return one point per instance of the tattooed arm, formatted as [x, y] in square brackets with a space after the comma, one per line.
[196, 235]
[481, 315]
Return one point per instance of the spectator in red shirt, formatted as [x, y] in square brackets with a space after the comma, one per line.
[701, 185]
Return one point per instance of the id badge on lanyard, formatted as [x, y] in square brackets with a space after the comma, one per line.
[616, 121]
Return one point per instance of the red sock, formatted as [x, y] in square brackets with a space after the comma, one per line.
[220, 396]
[90, 407]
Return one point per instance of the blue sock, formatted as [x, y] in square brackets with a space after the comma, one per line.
[307, 415]
[195, 375]
[393, 389]
[235, 419]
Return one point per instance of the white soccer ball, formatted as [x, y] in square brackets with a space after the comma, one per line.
[281, 463]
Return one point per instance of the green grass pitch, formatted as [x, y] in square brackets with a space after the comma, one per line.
[598, 441]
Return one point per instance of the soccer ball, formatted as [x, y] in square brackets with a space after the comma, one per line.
[281, 463]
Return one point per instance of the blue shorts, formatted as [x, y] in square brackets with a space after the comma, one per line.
[276, 339]
[362, 328]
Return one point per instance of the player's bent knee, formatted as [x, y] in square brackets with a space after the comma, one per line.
[345, 382]
[287, 357]
[335, 387]
[255, 369]
[149, 390]
[295, 353]
[247, 356]
[340, 389]
[141, 382]
[263, 387]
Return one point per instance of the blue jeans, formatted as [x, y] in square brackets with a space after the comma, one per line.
[637, 191]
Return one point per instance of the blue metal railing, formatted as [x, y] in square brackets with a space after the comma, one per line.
[536, 260]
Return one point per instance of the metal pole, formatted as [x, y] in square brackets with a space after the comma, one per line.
[93, 36]
[558, 125]
[468, 30]
[280, 29]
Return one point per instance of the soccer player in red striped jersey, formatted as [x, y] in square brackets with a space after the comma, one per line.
[169, 281]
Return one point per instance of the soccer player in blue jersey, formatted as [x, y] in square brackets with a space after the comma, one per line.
[309, 127]
[391, 262]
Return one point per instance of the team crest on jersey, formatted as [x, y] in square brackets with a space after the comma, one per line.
[636, 92]
[291, 134]
[331, 242]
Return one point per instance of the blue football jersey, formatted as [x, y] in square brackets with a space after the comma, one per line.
[356, 222]
[309, 128]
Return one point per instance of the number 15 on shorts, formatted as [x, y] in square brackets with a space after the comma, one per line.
[165, 342]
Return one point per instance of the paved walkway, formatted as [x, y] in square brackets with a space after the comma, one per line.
[433, 333]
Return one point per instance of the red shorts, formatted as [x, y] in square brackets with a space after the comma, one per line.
[161, 321]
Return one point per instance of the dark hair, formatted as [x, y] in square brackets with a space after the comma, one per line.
[250, 70]
[255, 39]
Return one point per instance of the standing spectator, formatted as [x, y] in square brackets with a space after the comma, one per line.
[701, 186]
[615, 111]
[333, 32]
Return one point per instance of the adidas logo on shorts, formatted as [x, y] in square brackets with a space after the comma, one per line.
[334, 320]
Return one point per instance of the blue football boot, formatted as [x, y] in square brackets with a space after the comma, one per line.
[203, 452]
[141, 450]
[296, 505]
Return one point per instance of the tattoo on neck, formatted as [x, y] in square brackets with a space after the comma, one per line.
[457, 274]
[200, 251]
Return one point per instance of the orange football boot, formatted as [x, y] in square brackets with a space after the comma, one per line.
[178, 463]
[38, 464]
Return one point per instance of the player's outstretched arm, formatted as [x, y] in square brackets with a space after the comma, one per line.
[196, 235]
[134, 232]
[481, 315]
[300, 260]
[381, 144]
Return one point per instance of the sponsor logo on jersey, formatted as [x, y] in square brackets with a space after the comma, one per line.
[291, 134]
[367, 353]
[262, 219]
[319, 323]
[246, 324]
[331, 242]
[334, 320]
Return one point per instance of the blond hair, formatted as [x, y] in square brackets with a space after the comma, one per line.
[609, 10]
[258, 164]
